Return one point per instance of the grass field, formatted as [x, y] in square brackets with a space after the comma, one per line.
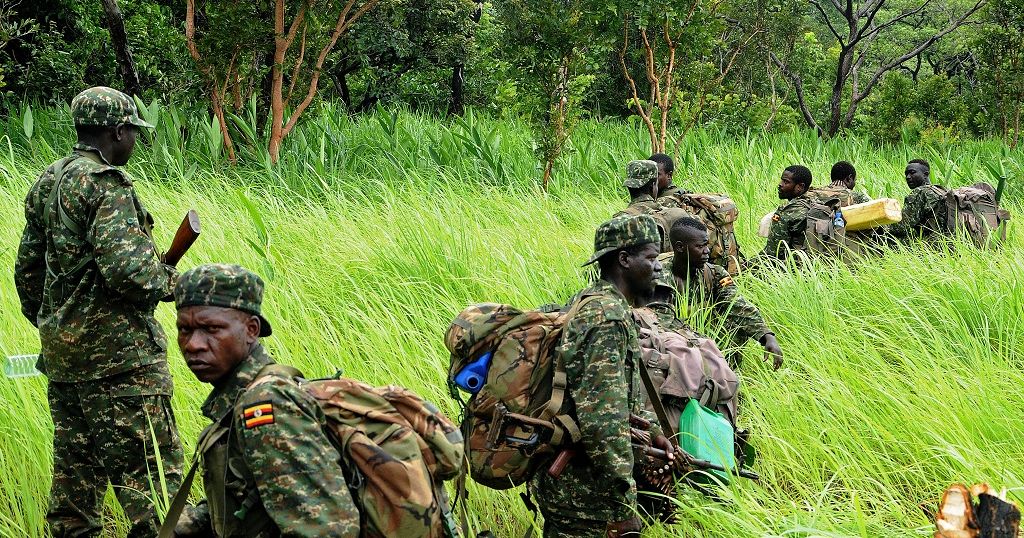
[901, 376]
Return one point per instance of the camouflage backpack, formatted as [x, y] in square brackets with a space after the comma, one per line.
[719, 213]
[825, 194]
[397, 449]
[519, 417]
[972, 211]
[821, 233]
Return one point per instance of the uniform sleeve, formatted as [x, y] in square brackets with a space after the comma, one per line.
[30, 266]
[742, 318]
[602, 409]
[125, 255]
[294, 464]
[913, 206]
[787, 224]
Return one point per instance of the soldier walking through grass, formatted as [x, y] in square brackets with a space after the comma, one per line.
[89, 277]
[596, 495]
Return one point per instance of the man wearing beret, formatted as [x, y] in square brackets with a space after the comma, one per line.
[596, 495]
[269, 466]
[89, 278]
[641, 182]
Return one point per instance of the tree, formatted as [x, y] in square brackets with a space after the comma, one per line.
[119, 38]
[1001, 51]
[869, 46]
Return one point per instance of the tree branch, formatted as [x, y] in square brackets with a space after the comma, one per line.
[798, 86]
[828, 22]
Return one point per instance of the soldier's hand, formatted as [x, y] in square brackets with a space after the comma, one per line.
[663, 443]
[627, 527]
[772, 351]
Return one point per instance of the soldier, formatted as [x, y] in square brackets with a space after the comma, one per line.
[89, 277]
[844, 179]
[666, 189]
[787, 228]
[709, 286]
[919, 217]
[269, 466]
[596, 495]
[641, 181]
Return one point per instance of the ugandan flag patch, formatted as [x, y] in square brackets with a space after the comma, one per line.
[776, 217]
[258, 415]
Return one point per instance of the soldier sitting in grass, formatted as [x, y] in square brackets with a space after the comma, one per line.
[787, 229]
[919, 217]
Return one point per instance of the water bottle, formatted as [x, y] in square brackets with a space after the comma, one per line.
[472, 376]
[838, 221]
[21, 366]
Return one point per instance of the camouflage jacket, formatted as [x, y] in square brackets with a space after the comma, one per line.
[670, 197]
[600, 349]
[714, 292]
[846, 196]
[641, 205]
[91, 291]
[919, 216]
[787, 231]
[275, 471]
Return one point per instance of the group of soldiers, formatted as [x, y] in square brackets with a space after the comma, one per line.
[89, 277]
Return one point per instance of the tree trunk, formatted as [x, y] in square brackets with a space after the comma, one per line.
[119, 38]
[455, 105]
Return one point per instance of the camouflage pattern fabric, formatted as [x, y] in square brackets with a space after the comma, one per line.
[102, 432]
[97, 320]
[225, 286]
[101, 106]
[920, 219]
[788, 227]
[845, 195]
[671, 196]
[716, 290]
[623, 232]
[641, 205]
[600, 351]
[571, 527]
[276, 471]
[640, 173]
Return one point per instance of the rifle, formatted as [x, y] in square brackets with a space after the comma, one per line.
[188, 232]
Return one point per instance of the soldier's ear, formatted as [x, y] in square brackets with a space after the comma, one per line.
[252, 329]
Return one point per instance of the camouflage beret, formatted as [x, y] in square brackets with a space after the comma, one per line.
[101, 106]
[227, 286]
[624, 231]
[640, 173]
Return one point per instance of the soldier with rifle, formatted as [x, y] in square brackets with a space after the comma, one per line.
[89, 278]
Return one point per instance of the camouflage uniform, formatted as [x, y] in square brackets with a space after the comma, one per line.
[919, 217]
[270, 467]
[715, 289]
[639, 174]
[671, 196]
[600, 349]
[846, 196]
[787, 231]
[89, 277]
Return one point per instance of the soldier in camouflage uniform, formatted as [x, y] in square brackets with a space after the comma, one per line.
[667, 191]
[709, 286]
[844, 179]
[596, 495]
[919, 217]
[789, 220]
[641, 181]
[269, 465]
[89, 277]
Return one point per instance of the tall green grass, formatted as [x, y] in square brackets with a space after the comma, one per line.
[902, 374]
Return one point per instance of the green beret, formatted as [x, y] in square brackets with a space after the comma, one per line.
[227, 286]
[624, 231]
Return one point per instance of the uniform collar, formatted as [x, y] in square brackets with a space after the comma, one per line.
[605, 287]
[84, 148]
[223, 397]
[642, 198]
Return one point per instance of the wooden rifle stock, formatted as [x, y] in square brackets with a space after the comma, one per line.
[187, 234]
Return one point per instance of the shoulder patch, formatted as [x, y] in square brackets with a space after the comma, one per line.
[776, 217]
[258, 414]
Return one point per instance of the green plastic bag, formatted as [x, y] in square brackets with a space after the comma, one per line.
[707, 435]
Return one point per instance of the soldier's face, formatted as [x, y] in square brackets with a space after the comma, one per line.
[694, 247]
[916, 175]
[788, 187]
[123, 144]
[664, 178]
[214, 340]
[640, 268]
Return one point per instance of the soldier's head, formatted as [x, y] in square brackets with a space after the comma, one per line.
[626, 249]
[795, 181]
[665, 169]
[107, 120]
[641, 178]
[689, 239]
[219, 318]
[918, 173]
[664, 292]
[843, 173]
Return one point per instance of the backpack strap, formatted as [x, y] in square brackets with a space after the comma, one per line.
[207, 438]
[53, 201]
[559, 383]
[652, 395]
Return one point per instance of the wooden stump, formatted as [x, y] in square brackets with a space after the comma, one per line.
[992, 516]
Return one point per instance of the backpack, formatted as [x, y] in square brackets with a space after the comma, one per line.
[822, 234]
[719, 213]
[665, 217]
[519, 416]
[972, 211]
[397, 448]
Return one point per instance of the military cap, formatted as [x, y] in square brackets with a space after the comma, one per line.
[624, 231]
[640, 173]
[227, 286]
[101, 106]
[664, 279]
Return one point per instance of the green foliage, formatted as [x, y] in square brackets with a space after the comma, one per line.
[930, 110]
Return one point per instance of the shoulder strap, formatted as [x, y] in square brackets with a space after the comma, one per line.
[207, 438]
[652, 395]
[559, 383]
[53, 201]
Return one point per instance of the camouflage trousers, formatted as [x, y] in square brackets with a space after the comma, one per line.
[103, 432]
[556, 525]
